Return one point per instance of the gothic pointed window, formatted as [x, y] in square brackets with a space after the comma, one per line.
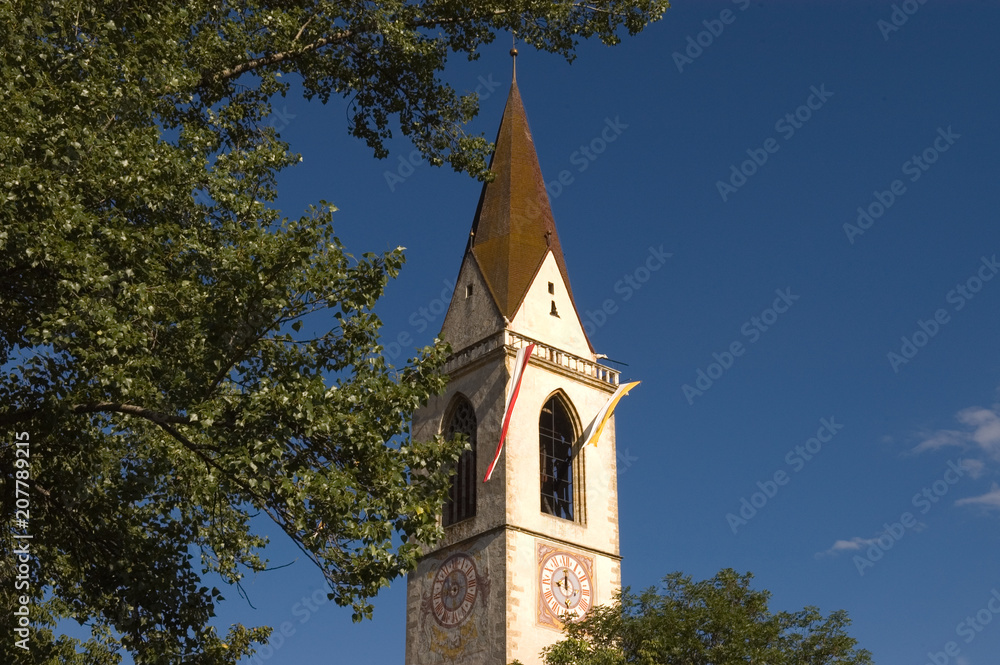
[555, 447]
[461, 502]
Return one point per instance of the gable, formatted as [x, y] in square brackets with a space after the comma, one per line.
[473, 316]
[535, 317]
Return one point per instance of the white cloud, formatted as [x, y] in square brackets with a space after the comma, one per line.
[975, 467]
[986, 424]
[979, 436]
[859, 543]
[940, 439]
[990, 500]
[855, 543]
[981, 430]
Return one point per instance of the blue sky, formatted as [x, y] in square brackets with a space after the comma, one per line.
[869, 480]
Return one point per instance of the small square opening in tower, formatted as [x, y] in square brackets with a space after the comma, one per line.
[468, 290]
[552, 287]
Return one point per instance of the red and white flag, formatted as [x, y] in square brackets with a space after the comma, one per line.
[519, 364]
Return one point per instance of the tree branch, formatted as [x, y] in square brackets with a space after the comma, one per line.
[273, 59]
[280, 520]
[303, 28]
[131, 409]
[284, 56]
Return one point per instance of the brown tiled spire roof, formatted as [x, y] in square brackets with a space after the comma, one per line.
[513, 227]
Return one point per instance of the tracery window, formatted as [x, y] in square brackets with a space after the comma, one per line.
[461, 502]
[555, 447]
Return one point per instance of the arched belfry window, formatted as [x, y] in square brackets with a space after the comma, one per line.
[461, 502]
[555, 447]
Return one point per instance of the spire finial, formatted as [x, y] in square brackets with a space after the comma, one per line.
[513, 56]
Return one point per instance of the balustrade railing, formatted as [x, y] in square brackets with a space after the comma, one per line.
[542, 351]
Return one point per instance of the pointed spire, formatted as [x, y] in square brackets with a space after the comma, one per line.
[513, 229]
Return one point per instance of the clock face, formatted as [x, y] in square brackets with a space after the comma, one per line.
[566, 586]
[454, 590]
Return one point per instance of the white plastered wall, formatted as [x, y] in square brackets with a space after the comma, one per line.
[534, 319]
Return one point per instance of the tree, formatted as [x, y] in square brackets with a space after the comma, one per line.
[721, 621]
[177, 356]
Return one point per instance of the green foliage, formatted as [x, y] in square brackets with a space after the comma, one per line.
[721, 621]
[158, 316]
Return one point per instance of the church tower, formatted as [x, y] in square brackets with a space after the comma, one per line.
[537, 544]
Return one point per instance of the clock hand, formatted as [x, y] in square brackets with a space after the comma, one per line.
[567, 588]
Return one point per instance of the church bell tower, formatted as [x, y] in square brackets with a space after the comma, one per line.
[536, 544]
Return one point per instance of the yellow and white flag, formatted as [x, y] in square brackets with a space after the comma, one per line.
[593, 433]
